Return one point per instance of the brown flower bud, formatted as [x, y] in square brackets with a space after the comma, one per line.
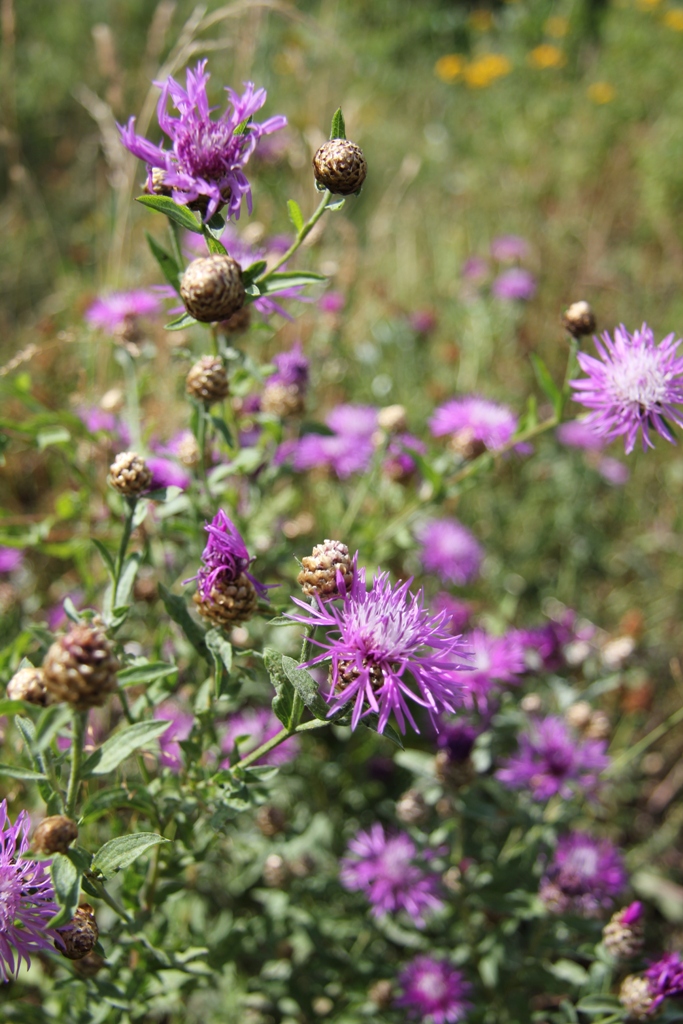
[270, 820]
[578, 715]
[599, 726]
[207, 380]
[80, 668]
[579, 319]
[339, 166]
[55, 834]
[28, 684]
[411, 808]
[79, 936]
[283, 400]
[238, 323]
[212, 288]
[319, 569]
[90, 965]
[636, 997]
[229, 603]
[275, 871]
[129, 474]
[381, 994]
[466, 444]
[392, 418]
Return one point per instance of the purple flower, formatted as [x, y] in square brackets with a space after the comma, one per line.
[665, 978]
[514, 284]
[112, 312]
[385, 637]
[384, 868]
[449, 550]
[332, 302]
[457, 612]
[635, 385]
[253, 727]
[97, 420]
[246, 254]
[422, 321]
[488, 422]
[179, 728]
[493, 659]
[457, 739]
[353, 420]
[10, 559]
[399, 464]
[348, 450]
[613, 472]
[292, 368]
[579, 434]
[474, 269]
[585, 875]
[167, 474]
[507, 248]
[27, 899]
[208, 156]
[225, 557]
[434, 991]
[552, 760]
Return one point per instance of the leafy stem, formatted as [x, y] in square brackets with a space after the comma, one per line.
[279, 738]
[123, 546]
[78, 735]
[303, 232]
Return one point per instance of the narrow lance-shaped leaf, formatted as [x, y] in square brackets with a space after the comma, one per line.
[168, 265]
[307, 688]
[177, 609]
[119, 853]
[180, 214]
[66, 880]
[283, 701]
[179, 323]
[295, 214]
[338, 128]
[121, 745]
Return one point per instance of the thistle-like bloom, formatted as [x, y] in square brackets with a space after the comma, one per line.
[348, 450]
[167, 474]
[458, 613]
[552, 760]
[449, 550]
[10, 559]
[179, 728]
[507, 248]
[253, 727]
[585, 875]
[434, 992]
[225, 557]
[665, 978]
[292, 368]
[207, 158]
[514, 285]
[385, 637]
[113, 312]
[493, 659]
[635, 385]
[384, 868]
[488, 422]
[27, 899]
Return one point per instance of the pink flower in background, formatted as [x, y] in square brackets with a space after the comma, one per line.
[167, 474]
[252, 727]
[579, 434]
[585, 876]
[449, 550]
[112, 312]
[493, 660]
[347, 451]
[514, 285]
[457, 612]
[434, 991]
[507, 248]
[492, 424]
[332, 302]
[551, 759]
[475, 269]
[179, 728]
[10, 559]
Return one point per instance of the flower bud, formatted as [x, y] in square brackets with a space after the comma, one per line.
[381, 994]
[392, 419]
[635, 996]
[578, 715]
[466, 444]
[55, 834]
[238, 323]
[28, 684]
[599, 726]
[622, 936]
[212, 288]
[207, 380]
[339, 166]
[318, 574]
[80, 668]
[270, 820]
[129, 474]
[90, 965]
[411, 808]
[283, 400]
[79, 936]
[579, 319]
[275, 871]
[228, 603]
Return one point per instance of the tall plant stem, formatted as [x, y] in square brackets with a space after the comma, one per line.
[78, 727]
[300, 236]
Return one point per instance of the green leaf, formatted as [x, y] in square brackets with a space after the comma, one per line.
[127, 579]
[105, 800]
[371, 721]
[16, 772]
[568, 970]
[242, 127]
[106, 556]
[177, 609]
[215, 226]
[149, 672]
[168, 265]
[180, 322]
[66, 879]
[336, 204]
[12, 707]
[338, 128]
[599, 1004]
[294, 279]
[180, 214]
[119, 853]
[250, 273]
[307, 688]
[222, 428]
[283, 701]
[214, 246]
[53, 435]
[547, 384]
[121, 745]
[220, 648]
[295, 214]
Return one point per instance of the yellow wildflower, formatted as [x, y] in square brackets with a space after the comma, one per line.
[601, 92]
[449, 68]
[547, 56]
[486, 69]
[674, 19]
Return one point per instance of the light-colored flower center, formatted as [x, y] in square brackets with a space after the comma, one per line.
[432, 985]
[584, 861]
[637, 378]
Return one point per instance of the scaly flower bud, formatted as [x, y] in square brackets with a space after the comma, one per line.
[129, 474]
[339, 165]
[635, 996]
[207, 380]
[411, 808]
[212, 288]
[55, 834]
[579, 319]
[623, 934]
[228, 603]
[28, 684]
[318, 574]
[79, 937]
[80, 668]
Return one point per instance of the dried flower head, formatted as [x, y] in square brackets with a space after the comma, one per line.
[340, 167]
[579, 319]
[130, 475]
[635, 386]
[205, 165]
[28, 684]
[80, 668]
[207, 380]
[212, 288]
[434, 991]
[79, 937]
[27, 898]
[319, 570]
[55, 834]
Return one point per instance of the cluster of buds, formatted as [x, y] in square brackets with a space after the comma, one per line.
[81, 668]
[635, 996]
[579, 319]
[28, 684]
[339, 166]
[207, 380]
[320, 569]
[212, 288]
[130, 475]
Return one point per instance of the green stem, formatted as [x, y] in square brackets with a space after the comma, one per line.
[301, 235]
[78, 735]
[132, 403]
[362, 490]
[175, 243]
[123, 546]
[275, 741]
[110, 901]
[128, 714]
[637, 749]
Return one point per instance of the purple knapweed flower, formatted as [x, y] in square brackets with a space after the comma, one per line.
[384, 868]
[507, 248]
[613, 472]
[27, 899]
[422, 321]
[113, 312]
[474, 269]
[179, 728]
[434, 991]
[492, 424]
[449, 550]
[399, 464]
[585, 875]
[665, 978]
[348, 450]
[167, 474]
[332, 302]
[457, 739]
[551, 760]
[253, 727]
[10, 559]
[635, 385]
[579, 434]
[98, 420]
[514, 285]
[492, 660]
[225, 557]
[385, 637]
[207, 158]
[292, 368]
[457, 613]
